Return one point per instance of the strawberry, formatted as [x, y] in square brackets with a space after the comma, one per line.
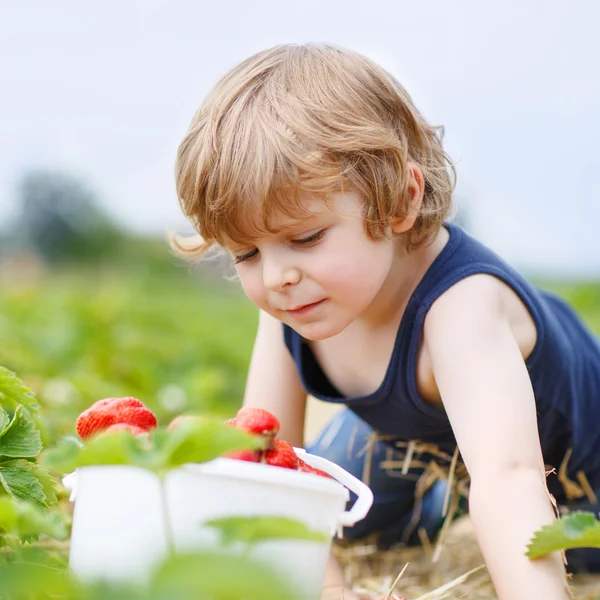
[125, 401]
[257, 421]
[94, 421]
[282, 455]
[110, 411]
[245, 455]
[134, 429]
[302, 466]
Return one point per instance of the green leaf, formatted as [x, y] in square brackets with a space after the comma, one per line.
[21, 439]
[14, 392]
[48, 484]
[118, 448]
[8, 513]
[256, 529]
[196, 441]
[4, 420]
[201, 440]
[577, 530]
[30, 581]
[64, 455]
[18, 478]
[211, 576]
[27, 520]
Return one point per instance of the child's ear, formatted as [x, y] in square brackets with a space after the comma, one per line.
[414, 198]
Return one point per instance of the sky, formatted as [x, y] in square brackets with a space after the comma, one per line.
[106, 90]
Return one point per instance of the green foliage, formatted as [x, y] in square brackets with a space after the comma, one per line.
[193, 441]
[177, 342]
[25, 520]
[14, 393]
[577, 530]
[251, 530]
[19, 438]
[197, 576]
[20, 444]
[210, 576]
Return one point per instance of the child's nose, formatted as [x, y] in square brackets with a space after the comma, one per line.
[276, 275]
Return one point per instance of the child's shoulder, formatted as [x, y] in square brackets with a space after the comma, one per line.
[472, 286]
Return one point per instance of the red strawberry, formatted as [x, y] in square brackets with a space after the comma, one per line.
[282, 455]
[245, 455]
[257, 421]
[125, 401]
[134, 429]
[93, 421]
[302, 466]
[104, 413]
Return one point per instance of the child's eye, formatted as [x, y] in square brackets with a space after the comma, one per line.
[311, 239]
[243, 257]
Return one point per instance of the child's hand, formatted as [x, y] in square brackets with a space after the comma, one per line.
[339, 593]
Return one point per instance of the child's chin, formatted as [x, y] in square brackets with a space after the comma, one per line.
[319, 330]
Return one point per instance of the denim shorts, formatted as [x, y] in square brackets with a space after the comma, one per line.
[395, 519]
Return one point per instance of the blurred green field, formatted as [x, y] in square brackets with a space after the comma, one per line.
[147, 326]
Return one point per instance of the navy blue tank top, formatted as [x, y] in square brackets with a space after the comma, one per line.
[564, 366]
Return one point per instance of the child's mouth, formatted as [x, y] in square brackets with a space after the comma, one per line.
[302, 311]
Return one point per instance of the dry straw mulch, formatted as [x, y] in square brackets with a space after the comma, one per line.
[458, 573]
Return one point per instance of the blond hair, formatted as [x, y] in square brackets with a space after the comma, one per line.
[312, 118]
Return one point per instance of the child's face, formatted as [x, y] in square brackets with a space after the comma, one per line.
[320, 274]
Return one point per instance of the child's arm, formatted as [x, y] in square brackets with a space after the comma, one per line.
[273, 382]
[487, 394]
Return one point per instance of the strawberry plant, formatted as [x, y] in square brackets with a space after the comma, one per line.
[578, 530]
[21, 476]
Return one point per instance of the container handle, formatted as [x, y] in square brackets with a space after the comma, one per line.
[363, 492]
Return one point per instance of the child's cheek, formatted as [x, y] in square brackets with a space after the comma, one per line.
[254, 290]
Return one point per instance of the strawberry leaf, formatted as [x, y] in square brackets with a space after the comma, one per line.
[48, 483]
[24, 579]
[257, 529]
[27, 520]
[116, 448]
[196, 441]
[19, 479]
[4, 420]
[21, 438]
[577, 530]
[8, 513]
[210, 575]
[14, 392]
[201, 440]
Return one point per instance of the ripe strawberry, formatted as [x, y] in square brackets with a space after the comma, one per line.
[125, 401]
[245, 455]
[257, 421]
[93, 421]
[302, 466]
[104, 413]
[134, 429]
[282, 455]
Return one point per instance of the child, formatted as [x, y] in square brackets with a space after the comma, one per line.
[311, 166]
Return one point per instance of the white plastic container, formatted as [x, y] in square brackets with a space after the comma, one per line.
[119, 527]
